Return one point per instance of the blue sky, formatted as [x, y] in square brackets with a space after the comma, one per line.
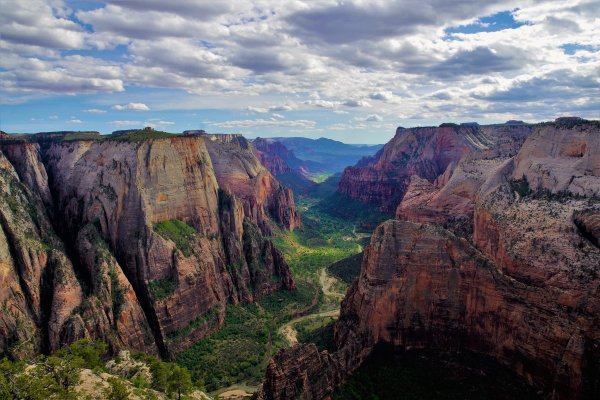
[348, 70]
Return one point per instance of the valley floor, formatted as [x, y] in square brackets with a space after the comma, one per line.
[233, 360]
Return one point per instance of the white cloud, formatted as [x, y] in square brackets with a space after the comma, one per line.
[392, 56]
[370, 118]
[264, 122]
[277, 116]
[356, 103]
[126, 123]
[259, 110]
[131, 106]
[383, 95]
[94, 111]
[322, 103]
[74, 121]
[53, 117]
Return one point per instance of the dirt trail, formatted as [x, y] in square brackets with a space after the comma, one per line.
[327, 283]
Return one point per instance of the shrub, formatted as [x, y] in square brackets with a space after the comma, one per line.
[179, 233]
[162, 288]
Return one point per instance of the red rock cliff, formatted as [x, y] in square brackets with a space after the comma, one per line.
[522, 285]
[115, 255]
[382, 180]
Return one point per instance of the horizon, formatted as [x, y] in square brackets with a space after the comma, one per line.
[348, 71]
[518, 122]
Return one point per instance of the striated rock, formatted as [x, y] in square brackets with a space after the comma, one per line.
[562, 158]
[425, 152]
[42, 290]
[274, 155]
[521, 285]
[137, 229]
[299, 373]
[238, 170]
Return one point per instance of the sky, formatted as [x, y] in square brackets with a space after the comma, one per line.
[348, 70]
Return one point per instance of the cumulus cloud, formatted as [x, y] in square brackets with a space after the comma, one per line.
[94, 111]
[383, 95]
[407, 58]
[370, 118]
[131, 106]
[356, 103]
[39, 23]
[74, 121]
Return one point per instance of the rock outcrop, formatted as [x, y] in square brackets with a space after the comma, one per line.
[140, 243]
[522, 284]
[274, 155]
[283, 164]
[382, 180]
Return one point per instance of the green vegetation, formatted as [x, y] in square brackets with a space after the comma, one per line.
[59, 376]
[520, 186]
[179, 232]
[68, 136]
[117, 390]
[428, 374]
[142, 134]
[366, 217]
[162, 288]
[179, 382]
[320, 178]
[211, 315]
[117, 292]
[50, 377]
[240, 350]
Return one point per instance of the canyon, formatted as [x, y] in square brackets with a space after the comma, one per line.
[494, 250]
[139, 242]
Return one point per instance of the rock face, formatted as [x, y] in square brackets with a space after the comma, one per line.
[382, 180]
[263, 197]
[274, 155]
[283, 164]
[140, 243]
[522, 284]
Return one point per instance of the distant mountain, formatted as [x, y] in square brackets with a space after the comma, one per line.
[300, 162]
[326, 156]
[282, 163]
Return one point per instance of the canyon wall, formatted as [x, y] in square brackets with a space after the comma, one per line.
[382, 180]
[516, 278]
[141, 243]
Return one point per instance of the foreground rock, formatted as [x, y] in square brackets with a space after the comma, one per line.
[517, 279]
[140, 243]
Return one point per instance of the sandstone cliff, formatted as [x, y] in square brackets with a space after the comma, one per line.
[382, 180]
[521, 284]
[141, 243]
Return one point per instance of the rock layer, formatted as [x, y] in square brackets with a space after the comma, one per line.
[141, 243]
[522, 284]
[382, 180]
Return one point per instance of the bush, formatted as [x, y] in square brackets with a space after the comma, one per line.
[162, 288]
[90, 352]
[117, 390]
[179, 233]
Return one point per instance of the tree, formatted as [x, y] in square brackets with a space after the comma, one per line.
[61, 373]
[160, 374]
[16, 383]
[90, 352]
[117, 390]
[180, 381]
